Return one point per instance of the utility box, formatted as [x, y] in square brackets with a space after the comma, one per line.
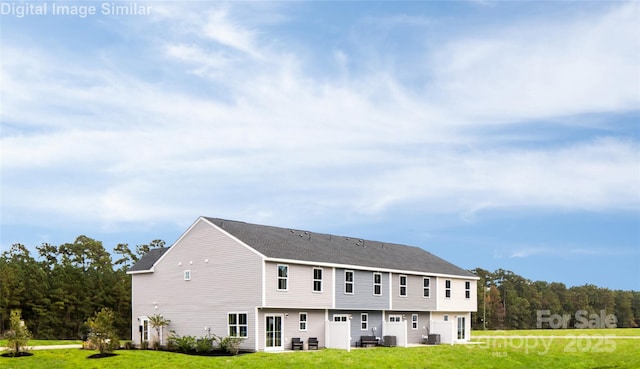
[389, 341]
[433, 339]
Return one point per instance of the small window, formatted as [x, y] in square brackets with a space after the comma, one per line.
[348, 281]
[187, 275]
[467, 290]
[403, 285]
[447, 288]
[283, 277]
[364, 322]
[426, 283]
[414, 321]
[446, 318]
[317, 279]
[395, 318]
[377, 284]
[237, 324]
[339, 318]
[303, 322]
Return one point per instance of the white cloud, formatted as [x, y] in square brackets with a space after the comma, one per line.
[272, 138]
[534, 71]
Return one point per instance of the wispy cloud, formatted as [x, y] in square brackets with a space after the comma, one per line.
[566, 252]
[258, 128]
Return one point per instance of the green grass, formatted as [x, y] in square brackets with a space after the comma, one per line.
[541, 352]
[559, 332]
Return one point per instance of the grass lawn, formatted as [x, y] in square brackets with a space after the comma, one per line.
[560, 332]
[542, 352]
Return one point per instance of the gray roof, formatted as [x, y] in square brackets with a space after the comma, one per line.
[283, 243]
[148, 260]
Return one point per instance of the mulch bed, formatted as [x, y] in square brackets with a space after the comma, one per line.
[100, 356]
[19, 354]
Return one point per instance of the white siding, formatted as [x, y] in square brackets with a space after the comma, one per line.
[290, 326]
[457, 301]
[225, 277]
[300, 292]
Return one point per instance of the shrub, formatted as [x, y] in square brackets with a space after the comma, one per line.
[230, 344]
[144, 345]
[128, 345]
[204, 345]
[158, 322]
[102, 334]
[183, 344]
[18, 335]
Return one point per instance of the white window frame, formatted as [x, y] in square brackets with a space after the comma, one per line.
[447, 290]
[364, 321]
[403, 287]
[317, 280]
[303, 324]
[467, 289]
[446, 318]
[353, 277]
[395, 318]
[426, 289]
[237, 325]
[414, 321]
[377, 284]
[285, 278]
[186, 275]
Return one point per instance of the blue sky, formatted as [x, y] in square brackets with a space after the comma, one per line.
[493, 134]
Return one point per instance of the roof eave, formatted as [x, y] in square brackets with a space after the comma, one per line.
[140, 271]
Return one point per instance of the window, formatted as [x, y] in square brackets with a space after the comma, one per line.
[426, 283]
[348, 281]
[462, 328]
[303, 322]
[447, 288]
[403, 285]
[414, 321]
[377, 284]
[446, 318]
[340, 318]
[238, 325]
[144, 328]
[467, 290]
[364, 321]
[283, 277]
[187, 275]
[395, 318]
[317, 279]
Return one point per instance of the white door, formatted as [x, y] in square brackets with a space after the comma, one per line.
[462, 332]
[340, 317]
[273, 333]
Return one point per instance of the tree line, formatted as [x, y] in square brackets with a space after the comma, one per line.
[59, 287]
[509, 301]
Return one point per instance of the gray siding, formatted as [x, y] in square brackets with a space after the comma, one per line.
[362, 297]
[414, 335]
[375, 323]
[225, 277]
[415, 299]
[300, 287]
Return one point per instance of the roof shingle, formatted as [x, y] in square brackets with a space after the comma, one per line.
[283, 243]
